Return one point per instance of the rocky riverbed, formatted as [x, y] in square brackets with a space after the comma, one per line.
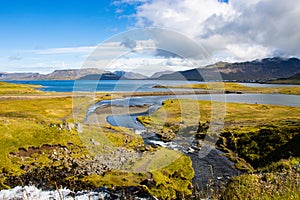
[212, 168]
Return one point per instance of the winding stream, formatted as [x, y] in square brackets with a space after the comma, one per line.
[212, 166]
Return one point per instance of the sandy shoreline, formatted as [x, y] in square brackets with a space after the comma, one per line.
[100, 115]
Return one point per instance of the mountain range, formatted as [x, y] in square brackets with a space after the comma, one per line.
[257, 70]
[250, 71]
[66, 74]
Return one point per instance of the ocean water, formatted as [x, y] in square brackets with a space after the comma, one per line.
[103, 85]
[117, 85]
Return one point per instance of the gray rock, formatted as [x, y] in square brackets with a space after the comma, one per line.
[69, 126]
[78, 127]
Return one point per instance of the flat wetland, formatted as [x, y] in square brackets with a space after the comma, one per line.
[46, 141]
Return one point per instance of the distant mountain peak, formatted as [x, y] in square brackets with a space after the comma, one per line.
[130, 75]
[158, 74]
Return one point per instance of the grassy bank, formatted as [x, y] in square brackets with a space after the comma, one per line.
[236, 87]
[17, 89]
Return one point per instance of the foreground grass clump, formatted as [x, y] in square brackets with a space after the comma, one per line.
[284, 185]
[16, 89]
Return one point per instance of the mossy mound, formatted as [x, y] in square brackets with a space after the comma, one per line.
[266, 145]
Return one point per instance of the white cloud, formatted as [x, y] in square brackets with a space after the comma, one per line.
[15, 58]
[119, 2]
[68, 50]
[241, 30]
[149, 65]
[248, 51]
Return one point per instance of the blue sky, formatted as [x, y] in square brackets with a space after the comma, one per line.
[28, 25]
[44, 35]
[31, 24]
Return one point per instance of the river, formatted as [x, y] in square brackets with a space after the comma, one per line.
[203, 165]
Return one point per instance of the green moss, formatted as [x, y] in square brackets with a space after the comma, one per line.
[145, 120]
[155, 160]
[122, 137]
[114, 178]
[174, 179]
[282, 164]
[25, 133]
[266, 145]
